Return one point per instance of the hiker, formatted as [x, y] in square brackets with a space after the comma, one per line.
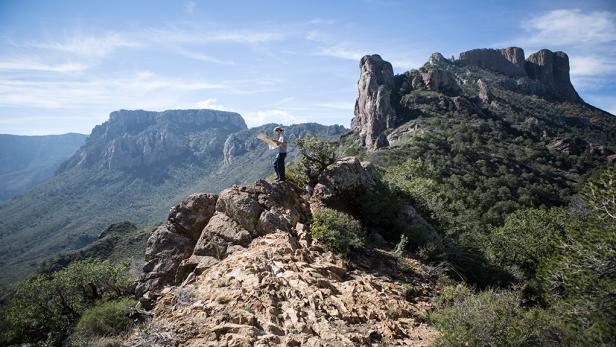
[280, 155]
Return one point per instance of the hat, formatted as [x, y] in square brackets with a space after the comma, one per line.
[278, 128]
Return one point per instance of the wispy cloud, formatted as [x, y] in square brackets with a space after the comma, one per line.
[570, 27]
[591, 65]
[210, 103]
[197, 36]
[278, 116]
[27, 64]
[88, 45]
[142, 90]
[202, 57]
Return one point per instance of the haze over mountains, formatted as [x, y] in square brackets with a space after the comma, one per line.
[26, 161]
[134, 167]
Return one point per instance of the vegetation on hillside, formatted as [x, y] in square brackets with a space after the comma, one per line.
[45, 309]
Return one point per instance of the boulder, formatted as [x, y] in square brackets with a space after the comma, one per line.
[439, 80]
[343, 184]
[373, 109]
[192, 214]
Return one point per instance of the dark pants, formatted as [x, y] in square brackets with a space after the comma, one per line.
[279, 166]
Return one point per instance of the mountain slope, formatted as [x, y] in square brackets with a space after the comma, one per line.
[473, 140]
[132, 167]
[26, 161]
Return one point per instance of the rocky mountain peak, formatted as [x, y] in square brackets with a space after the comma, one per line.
[386, 101]
[131, 140]
[373, 110]
[552, 70]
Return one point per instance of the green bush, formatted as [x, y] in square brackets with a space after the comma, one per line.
[487, 318]
[315, 156]
[108, 318]
[45, 307]
[340, 232]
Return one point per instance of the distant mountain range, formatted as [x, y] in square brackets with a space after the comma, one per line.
[26, 161]
[134, 167]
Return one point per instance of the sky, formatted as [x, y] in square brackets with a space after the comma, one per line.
[65, 65]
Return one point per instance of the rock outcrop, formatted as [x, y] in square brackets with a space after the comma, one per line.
[206, 228]
[552, 70]
[439, 80]
[342, 184]
[509, 61]
[373, 109]
[240, 269]
[173, 242]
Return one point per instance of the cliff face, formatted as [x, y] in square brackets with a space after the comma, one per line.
[509, 61]
[552, 70]
[466, 85]
[373, 110]
[132, 139]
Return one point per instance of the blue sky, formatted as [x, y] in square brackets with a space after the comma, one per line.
[65, 65]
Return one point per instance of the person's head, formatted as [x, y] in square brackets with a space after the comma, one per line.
[278, 130]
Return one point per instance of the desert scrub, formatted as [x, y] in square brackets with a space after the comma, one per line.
[109, 318]
[486, 318]
[340, 232]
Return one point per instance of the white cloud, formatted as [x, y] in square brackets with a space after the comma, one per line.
[277, 116]
[316, 21]
[180, 36]
[202, 57]
[143, 90]
[210, 103]
[590, 65]
[341, 53]
[27, 64]
[570, 26]
[88, 46]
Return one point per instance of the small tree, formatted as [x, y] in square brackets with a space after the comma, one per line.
[315, 157]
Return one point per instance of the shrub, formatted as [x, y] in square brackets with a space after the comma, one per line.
[340, 232]
[45, 307]
[315, 156]
[109, 318]
[487, 318]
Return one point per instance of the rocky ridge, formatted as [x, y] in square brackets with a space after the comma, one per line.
[241, 269]
[386, 101]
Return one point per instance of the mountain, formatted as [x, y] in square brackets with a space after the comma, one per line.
[480, 167]
[134, 167]
[473, 140]
[26, 161]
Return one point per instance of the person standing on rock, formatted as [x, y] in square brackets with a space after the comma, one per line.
[280, 155]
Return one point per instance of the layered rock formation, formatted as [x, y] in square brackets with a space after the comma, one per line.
[386, 102]
[134, 139]
[552, 70]
[509, 61]
[373, 109]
